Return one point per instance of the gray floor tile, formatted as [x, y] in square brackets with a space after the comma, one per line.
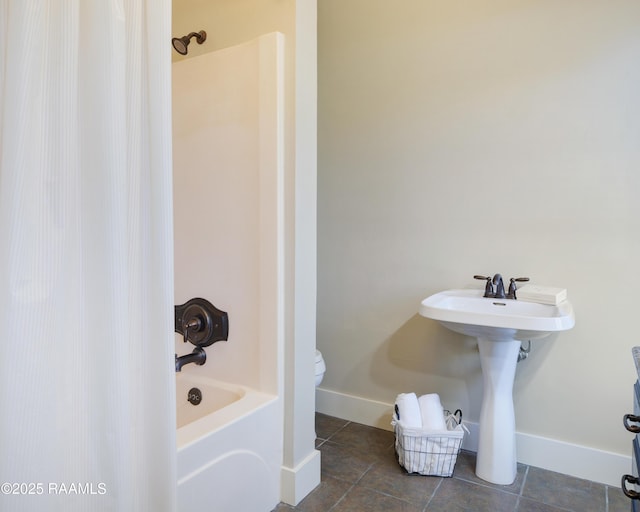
[617, 501]
[390, 478]
[455, 495]
[361, 499]
[564, 491]
[367, 439]
[344, 462]
[326, 426]
[527, 505]
[325, 496]
[466, 470]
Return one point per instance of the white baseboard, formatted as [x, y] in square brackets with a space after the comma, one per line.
[559, 456]
[296, 483]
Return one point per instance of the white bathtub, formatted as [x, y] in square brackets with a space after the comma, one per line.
[227, 460]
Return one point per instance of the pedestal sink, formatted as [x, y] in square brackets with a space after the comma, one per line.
[499, 325]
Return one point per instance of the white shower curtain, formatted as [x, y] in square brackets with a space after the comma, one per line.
[87, 393]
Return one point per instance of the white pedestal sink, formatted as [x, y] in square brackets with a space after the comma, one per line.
[499, 325]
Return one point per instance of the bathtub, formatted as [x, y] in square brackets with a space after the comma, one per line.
[227, 457]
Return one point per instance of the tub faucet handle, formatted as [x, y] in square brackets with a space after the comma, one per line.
[195, 324]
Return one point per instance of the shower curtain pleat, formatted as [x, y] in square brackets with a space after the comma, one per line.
[87, 391]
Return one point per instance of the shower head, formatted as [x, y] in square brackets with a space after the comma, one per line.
[180, 43]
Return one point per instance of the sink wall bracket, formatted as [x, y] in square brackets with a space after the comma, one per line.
[524, 352]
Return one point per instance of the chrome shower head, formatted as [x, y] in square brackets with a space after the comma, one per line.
[180, 43]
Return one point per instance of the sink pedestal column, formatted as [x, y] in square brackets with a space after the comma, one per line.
[496, 461]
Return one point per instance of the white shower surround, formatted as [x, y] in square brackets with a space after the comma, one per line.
[228, 218]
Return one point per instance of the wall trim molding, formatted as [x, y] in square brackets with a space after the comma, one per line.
[296, 483]
[560, 456]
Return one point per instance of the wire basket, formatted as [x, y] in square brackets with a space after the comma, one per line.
[431, 453]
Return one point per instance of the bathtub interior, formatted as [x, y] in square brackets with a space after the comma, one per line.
[235, 404]
[207, 396]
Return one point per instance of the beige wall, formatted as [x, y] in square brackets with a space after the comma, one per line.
[465, 137]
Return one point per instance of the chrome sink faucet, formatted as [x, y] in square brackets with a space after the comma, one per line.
[499, 286]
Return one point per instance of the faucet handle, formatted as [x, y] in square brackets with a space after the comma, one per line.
[488, 289]
[512, 286]
[195, 323]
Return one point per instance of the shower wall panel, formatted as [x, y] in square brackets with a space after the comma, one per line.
[227, 153]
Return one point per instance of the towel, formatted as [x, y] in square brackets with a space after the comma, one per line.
[542, 294]
[409, 410]
[431, 412]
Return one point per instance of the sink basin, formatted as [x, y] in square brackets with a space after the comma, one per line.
[469, 313]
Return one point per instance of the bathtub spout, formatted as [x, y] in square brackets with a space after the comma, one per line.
[198, 356]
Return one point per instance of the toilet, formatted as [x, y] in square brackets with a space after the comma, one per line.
[320, 367]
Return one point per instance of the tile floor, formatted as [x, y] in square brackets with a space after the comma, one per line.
[360, 473]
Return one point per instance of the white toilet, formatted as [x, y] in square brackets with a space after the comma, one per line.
[320, 367]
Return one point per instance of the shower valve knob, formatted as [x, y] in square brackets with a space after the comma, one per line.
[201, 323]
[194, 325]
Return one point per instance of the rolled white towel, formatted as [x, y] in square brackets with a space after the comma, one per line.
[409, 410]
[431, 412]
